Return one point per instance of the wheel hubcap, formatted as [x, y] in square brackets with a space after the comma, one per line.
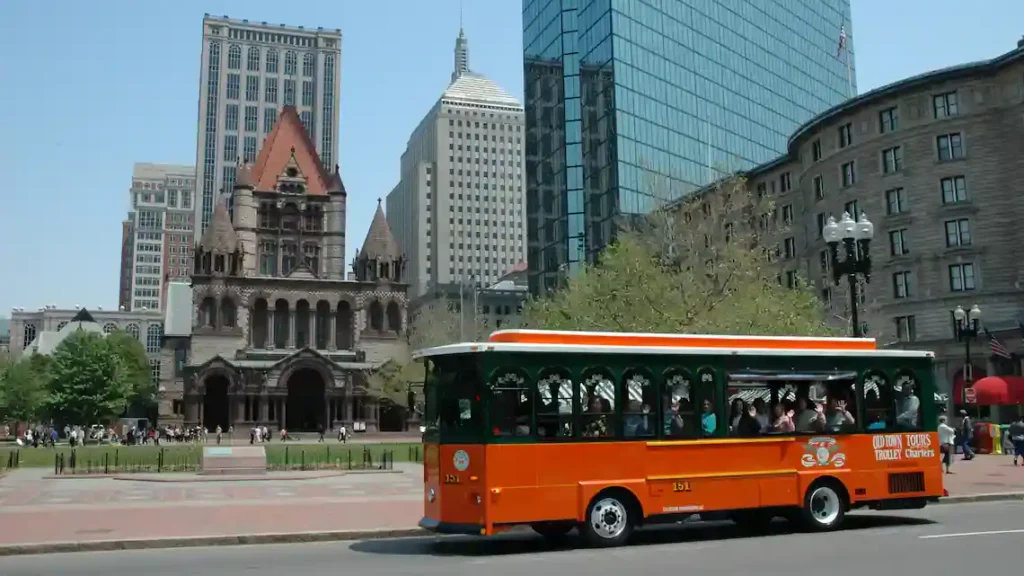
[825, 505]
[608, 518]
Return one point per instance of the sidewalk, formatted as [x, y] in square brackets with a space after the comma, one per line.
[103, 513]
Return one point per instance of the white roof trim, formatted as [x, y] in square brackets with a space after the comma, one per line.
[685, 337]
[477, 347]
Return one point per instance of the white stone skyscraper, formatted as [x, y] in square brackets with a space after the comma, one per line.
[457, 211]
[248, 73]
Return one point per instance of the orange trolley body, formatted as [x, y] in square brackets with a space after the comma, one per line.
[482, 477]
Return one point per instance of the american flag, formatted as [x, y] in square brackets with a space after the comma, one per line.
[842, 40]
[997, 347]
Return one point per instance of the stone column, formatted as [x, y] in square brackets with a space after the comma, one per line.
[201, 412]
[332, 329]
[270, 329]
[191, 414]
[348, 408]
[291, 327]
[284, 412]
[240, 408]
[313, 317]
[265, 408]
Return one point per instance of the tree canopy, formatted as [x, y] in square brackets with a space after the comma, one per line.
[89, 382]
[136, 367]
[703, 265]
[22, 390]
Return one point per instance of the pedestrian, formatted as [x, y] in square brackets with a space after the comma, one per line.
[1017, 437]
[966, 435]
[219, 432]
[947, 443]
[321, 434]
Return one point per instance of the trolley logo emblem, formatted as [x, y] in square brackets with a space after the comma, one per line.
[822, 451]
[461, 460]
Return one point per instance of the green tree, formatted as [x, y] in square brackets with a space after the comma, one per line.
[136, 367]
[89, 383]
[22, 392]
[707, 264]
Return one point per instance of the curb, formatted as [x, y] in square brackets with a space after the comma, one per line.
[202, 541]
[972, 498]
[215, 478]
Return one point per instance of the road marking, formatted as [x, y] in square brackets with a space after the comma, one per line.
[962, 534]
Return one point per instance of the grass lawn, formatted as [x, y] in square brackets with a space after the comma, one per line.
[189, 456]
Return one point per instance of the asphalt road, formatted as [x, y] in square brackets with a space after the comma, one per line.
[949, 539]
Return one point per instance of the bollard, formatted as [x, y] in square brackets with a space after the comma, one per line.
[56, 464]
[302, 463]
[106, 462]
[62, 463]
[286, 463]
[349, 451]
[116, 453]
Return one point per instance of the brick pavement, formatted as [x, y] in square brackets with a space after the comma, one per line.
[34, 510]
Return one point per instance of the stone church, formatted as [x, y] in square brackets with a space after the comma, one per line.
[270, 331]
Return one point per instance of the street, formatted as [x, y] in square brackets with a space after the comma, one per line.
[951, 539]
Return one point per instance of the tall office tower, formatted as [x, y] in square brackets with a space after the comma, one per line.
[157, 235]
[248, 72]
[628, 105]
[457, 212]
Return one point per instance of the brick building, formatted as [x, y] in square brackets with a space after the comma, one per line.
[270, 331]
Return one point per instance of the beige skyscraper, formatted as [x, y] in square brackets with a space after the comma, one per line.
[248, 73]
[457, 212]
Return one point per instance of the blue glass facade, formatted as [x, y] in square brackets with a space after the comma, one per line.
[630, 103]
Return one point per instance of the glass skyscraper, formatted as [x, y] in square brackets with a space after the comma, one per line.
[630, 103]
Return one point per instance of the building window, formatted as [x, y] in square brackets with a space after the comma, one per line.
[234, 57]
[271, 91]
[791, 281]
[954, 189]
[789, 246]
[958, 232]
[290, 63]
[889, 119]
[308, 65]
[252, 88]
[901, 285]
[898, 242]
[961, 277]
[251, 118]
[824, 260]
[821, 223]
[816, 150]
[271, 61]
[892, 159]
[787, 214]
[288, 258]
[268, 258]
[849, 176]
[895, 201]
[819, 188]
[289, 92]
[307, 92]
[950, 146]
[249, 152]
[946, 105]
[269, 118]
[826, 296]
[851, 209]
[231, 117]
[230, 148]
[253, 62]
[784, 182]
[845, 135]
[906, 329]
[154, 338]
[234, 84]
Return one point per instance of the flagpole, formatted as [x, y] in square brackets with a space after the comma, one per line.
[849, 72]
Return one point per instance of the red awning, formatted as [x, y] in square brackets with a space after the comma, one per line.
[994, 391]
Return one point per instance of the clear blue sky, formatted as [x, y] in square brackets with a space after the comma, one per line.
[101, 85]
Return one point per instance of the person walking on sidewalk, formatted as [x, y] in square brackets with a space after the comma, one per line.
[947, 443]
[1017, 437]
[966, 435]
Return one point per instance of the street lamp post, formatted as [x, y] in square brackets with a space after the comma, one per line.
[966, 330]
[856, 237]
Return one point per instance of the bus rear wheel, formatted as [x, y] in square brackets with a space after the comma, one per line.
[609, 520]
[553, 531]
[824, 507]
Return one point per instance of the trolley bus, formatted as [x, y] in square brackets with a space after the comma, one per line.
[605, 432]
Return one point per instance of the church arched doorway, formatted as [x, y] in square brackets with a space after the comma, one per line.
[306, 408]
[216, 411]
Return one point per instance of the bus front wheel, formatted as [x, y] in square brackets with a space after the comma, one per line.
[609, 520]
[824, 506]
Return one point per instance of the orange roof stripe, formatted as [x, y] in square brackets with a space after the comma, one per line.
[680, 340]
